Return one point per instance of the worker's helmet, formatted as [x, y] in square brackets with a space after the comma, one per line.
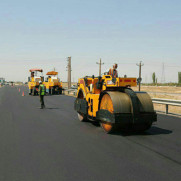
[40, 82]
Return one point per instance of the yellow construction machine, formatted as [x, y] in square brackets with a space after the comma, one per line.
[52, 83]
[112, 103]
[33, 81]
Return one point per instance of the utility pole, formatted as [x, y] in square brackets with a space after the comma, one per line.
[140, 79]
[100, 63]
[69, 72]
[163, 73]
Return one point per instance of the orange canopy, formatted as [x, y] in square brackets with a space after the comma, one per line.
[36, 70]
[52, 73]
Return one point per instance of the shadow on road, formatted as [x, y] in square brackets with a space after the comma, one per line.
[156, 131]
[52, 108]
[152, 131]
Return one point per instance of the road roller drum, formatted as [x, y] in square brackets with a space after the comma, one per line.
[124, 112]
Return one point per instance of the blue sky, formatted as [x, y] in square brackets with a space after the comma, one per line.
[43, 33]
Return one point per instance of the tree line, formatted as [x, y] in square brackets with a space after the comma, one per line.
[155, 81]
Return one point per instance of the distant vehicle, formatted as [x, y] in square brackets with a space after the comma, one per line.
[2, 81]
[52, 83]
[33, 81]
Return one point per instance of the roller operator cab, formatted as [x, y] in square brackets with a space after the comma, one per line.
[33, 81]
[112, 103]
[52, 83]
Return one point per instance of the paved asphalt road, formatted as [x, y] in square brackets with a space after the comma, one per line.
[52, 145]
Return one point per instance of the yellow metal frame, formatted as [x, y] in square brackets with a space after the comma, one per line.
[51, 83]
[32, 83]
[92, 94]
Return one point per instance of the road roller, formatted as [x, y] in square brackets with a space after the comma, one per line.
[33, 81]
[112, 103]
[52, 83]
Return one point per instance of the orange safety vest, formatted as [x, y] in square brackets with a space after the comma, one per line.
[113, 73]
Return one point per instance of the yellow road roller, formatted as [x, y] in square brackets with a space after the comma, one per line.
[111, 102]
[52, 83]
[33, 81]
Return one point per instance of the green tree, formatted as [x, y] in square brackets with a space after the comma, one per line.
[179, 77]
[154, 77]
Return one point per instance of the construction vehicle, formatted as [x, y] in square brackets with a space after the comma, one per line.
[112, 103]
[52, 83]
[33, 81]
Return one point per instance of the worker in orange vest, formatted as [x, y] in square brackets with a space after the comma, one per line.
[113, 71]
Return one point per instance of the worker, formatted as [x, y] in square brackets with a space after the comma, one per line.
[113, 71]
[32, 74]
[42, 94]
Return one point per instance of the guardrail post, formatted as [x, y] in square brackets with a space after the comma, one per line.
[166, 108]
[167, 102]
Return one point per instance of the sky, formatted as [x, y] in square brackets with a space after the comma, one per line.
[43, 33]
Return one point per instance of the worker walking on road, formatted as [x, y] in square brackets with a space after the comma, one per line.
[42, 94]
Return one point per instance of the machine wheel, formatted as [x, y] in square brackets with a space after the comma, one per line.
[107, 127]
[52, 91]
[60, 91]
[34, 92]
[30, 91]
[82, 118]
[57, 90]
[119, 102]
[146, 106]
[106, 103]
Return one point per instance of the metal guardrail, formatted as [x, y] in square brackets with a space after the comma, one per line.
[165, 102]
[69, 91]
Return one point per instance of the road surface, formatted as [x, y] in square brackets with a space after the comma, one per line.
[52, 145]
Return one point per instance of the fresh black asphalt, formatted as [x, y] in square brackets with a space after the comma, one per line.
[52, 145]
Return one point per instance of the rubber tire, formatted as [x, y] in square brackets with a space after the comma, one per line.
[30, 91]
[110, 130]
[52, 91]
[107, 104]
[56, 91]
[82, 118]
[34, 92]
[60, 91]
